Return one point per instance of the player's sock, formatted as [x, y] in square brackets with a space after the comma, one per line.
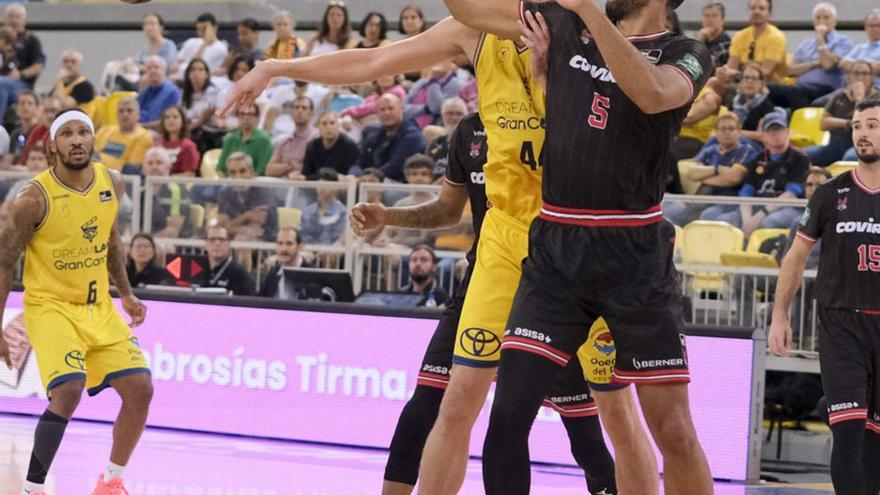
[416, 421]
[522, 381]
[871, 460]
[847, 470]
[31, 487]
[113, 471]
[47, 438]
[591, 454]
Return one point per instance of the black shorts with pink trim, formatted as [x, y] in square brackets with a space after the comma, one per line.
[437, 363]
[850, 363]
[569, 394]
[619, 265]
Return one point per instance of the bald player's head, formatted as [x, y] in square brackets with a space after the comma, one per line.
[390, 110]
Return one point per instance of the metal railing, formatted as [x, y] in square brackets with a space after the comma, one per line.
[129, 216]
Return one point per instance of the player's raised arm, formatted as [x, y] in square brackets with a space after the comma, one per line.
[443, 211]
[27, 213]
[116, 264]
[654, 88]
[499, 17]
[447, 39]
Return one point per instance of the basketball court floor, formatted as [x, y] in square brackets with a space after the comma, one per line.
[180, 463]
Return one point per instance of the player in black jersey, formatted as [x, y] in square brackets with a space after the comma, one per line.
[844, 213]
[464, 181]
[618, 89]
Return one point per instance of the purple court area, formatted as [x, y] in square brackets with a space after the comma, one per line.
[178, 463]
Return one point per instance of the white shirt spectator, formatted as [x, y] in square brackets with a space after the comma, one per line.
[281, 99]
[214, 54]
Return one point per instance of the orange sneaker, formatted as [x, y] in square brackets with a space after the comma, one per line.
[112, 487]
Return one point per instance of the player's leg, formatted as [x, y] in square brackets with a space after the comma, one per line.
[635, 463]
[545, 329]
[420, 412]
[116, 361]
[60, 356]
[477, 353]
[871, 459]
[667, 413]
[845, 362]
[444, 459]
[643, 310]
[571, 397]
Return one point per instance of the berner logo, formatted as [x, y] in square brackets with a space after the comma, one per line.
[479, 342]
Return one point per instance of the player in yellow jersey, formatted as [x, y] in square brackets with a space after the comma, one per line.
[65, 219]
[514, 126]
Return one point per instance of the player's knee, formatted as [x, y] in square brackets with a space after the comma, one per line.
[138, 392]
[674, 433]
[65, 397]
[465, 396]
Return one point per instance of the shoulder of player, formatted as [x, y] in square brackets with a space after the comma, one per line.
[466, 38]
[31, 204]
[832, 186]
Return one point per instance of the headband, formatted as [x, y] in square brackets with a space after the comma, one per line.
[66, 118]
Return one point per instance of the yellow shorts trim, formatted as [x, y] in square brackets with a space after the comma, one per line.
[78, 341]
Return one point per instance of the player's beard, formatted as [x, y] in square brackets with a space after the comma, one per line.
[618, 10]
[869, 157]
[79, 163]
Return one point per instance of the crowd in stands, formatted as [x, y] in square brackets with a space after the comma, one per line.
[156, 117]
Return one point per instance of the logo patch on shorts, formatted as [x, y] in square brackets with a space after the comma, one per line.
[75, 360]
[604, 343]
[479, 342]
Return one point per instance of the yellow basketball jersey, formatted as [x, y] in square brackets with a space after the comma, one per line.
[67, 257]
[512, 111]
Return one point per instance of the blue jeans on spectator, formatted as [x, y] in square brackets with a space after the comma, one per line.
[9, 90]
[715, 213]
[851, 156]
[778, 219]
[823, 156]
[681, 213]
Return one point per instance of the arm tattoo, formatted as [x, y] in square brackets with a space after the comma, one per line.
[116, 264]
[429, 215]
[14, 238]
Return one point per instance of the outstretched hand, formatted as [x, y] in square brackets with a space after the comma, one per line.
[536, 36]
[247, 89]
[365, 217]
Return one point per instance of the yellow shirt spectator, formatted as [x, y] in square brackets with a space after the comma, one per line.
[702, 129]
[769, 46]
[118, 149]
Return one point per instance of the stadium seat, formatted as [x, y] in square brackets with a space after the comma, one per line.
[208, 169]
[805, 130]
[689, 186]
[197, 216]
[454, 242]
[838, 168]
[289, 217]
[753, 256]
[704, 241]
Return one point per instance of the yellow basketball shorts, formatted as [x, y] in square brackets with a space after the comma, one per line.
[504, 244]
[79, 341]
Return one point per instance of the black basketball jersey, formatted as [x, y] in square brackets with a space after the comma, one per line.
[601, 151]
[845, 215]
[467, 155]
